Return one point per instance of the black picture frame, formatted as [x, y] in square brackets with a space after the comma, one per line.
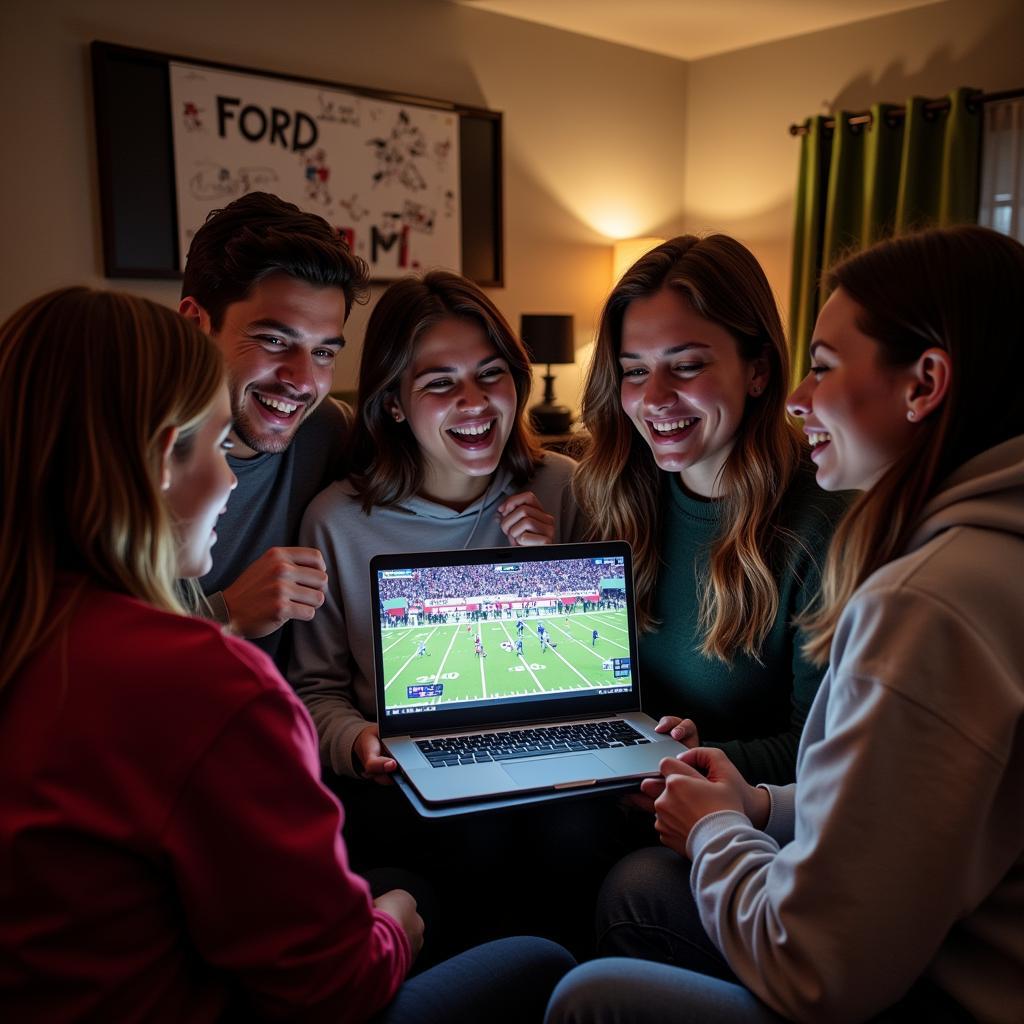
[135, 157]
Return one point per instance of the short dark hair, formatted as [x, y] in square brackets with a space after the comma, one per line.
[386, 463]
[259, 235]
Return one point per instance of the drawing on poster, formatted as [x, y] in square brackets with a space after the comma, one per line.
[317, 176]
[354, 208]
[385, 175]
[335, 108]
[214, 181]
[193, 122]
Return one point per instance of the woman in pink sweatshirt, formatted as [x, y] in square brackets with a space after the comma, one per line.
[167, 852]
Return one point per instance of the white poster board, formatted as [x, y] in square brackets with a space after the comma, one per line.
[385, 174]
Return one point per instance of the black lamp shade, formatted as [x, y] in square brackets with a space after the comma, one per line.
[548, 337]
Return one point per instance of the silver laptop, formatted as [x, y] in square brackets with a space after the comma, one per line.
[510, 670]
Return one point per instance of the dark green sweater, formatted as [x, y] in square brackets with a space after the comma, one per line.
[752, 711]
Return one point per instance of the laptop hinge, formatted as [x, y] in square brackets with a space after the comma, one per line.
[544, 723]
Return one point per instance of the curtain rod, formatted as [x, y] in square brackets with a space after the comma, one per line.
[898, 112]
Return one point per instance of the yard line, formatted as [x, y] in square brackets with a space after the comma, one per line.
[482, 659]
[399, 672]
[590, 647]
[573, 667]
[614, 625]
[536, 681]
[387, 649]
[526, 664]
[440, 668]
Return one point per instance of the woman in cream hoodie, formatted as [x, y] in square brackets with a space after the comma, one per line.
[890, 878]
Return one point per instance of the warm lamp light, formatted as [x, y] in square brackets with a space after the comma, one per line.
[627, 252]
[548, 338]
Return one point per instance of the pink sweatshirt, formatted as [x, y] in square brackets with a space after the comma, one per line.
[166, 848]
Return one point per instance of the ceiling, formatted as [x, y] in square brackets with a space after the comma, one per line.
[691, 29]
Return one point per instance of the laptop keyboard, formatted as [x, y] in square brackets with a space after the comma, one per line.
[504, 746]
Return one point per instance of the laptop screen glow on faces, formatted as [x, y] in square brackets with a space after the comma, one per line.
[500, 633]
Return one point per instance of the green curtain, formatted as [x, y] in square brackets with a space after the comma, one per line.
[861, 183]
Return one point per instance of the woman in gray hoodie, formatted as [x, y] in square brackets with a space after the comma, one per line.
[443, 458]
[889, 879]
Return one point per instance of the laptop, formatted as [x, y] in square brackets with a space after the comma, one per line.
[503, 671]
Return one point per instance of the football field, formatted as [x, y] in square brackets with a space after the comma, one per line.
[447, 669]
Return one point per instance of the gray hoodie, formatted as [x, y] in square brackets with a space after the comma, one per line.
[899, 852]
[332, 655]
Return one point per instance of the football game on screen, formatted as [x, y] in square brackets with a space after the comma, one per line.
[469, 635]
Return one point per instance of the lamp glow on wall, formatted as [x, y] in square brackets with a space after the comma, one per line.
[548, 338]
[627, 251]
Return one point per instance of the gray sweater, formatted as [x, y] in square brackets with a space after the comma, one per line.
[265, 509]
[899, 851]
[332, 657]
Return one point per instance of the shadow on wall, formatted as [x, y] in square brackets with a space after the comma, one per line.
[767, 233]
[992, 63]
[989, 61]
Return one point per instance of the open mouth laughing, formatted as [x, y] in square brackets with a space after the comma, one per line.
[670, 431]
[478, 434]
[818, 440]
[278, 410]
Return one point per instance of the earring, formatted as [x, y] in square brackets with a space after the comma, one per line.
[756, 389]
[911, 414]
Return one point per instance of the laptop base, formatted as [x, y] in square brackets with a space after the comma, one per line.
[513, 800]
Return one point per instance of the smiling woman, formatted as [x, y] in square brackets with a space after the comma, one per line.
[886, 884]
[442, 458]
[694, 463]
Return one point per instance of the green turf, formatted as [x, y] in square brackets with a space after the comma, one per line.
[574, 665]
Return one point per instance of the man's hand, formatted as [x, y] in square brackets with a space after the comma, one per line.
[282, 584]
[402, 907]
[524, 522]
[368, 752]
[682, 730]
[697, 783]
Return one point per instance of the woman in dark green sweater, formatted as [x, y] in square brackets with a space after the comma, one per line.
[694, 462]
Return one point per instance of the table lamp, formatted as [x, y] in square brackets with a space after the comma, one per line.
[549, 339]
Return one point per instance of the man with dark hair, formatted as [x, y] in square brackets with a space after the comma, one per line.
[273, 286]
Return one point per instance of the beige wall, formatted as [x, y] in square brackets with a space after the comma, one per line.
[600, 140]
[741, 162]
[593, 131]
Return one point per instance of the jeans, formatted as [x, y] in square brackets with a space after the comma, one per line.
[619, 991]
[646, 912]
[507, 981]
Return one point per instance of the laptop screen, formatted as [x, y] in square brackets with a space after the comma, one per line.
[523, 628]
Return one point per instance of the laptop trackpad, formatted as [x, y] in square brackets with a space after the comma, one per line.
[551, 771]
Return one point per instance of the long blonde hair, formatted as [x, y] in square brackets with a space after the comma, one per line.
[958, 289]
[89, 382]
[618, 484]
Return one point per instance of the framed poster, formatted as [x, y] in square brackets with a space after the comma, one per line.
[413, 183]
[385, 174]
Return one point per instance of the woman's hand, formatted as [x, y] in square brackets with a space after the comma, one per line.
[368, 752]
[524, 522]
[683, 731]
[696, 784]
[680, 729]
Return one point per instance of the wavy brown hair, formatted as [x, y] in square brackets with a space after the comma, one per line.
[89, 382]
[387, 466]
[958, 289]
[618, 484]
